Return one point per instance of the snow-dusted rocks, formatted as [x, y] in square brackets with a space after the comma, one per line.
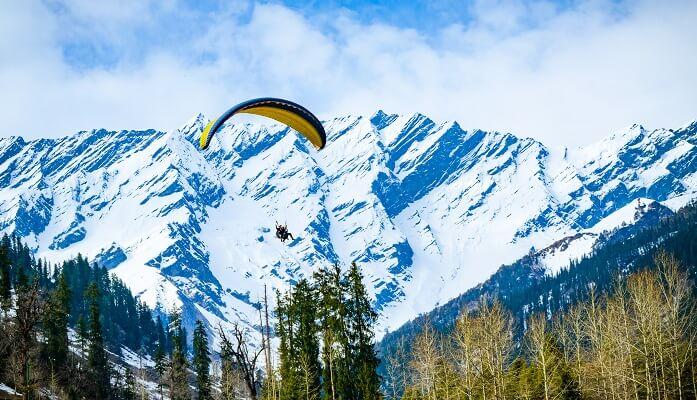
[426, 208]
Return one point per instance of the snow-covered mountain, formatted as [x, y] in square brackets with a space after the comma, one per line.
[427, 209]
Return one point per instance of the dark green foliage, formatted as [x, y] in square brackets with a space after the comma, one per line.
[97, 360]
[363, 361]
[129, 389]
[298, 330]
[202, 362]
[178, 377]
[161, 336]
[56, 324]
[22, 338]
[126, 321]
[160, 359]
[519, 380]
[303, 310]
[5, 283]
[325, 327]
[83, 334]
[50, 299]
[562, 385]
[228, 381]
[336, 375]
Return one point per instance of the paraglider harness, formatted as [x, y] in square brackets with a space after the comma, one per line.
[282, 233]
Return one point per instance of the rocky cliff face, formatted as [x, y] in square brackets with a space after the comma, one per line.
[426, 208]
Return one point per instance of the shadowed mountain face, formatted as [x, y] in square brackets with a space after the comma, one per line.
[427, 209]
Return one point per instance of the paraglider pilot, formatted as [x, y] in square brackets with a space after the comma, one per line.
[282, 233]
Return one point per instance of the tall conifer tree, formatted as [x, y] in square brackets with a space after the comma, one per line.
[97, 361]
[285, 330]
[5, 283]
[179, 382]
[202, 362]
[56, 324]
[332, 312]
[360, 321]
[304, 309]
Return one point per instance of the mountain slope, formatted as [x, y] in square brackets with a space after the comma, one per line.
[427, 209]
[524, 288]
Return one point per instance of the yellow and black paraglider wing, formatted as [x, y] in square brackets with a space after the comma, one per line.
[284, 111]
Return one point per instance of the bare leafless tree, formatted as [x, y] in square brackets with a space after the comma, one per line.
[396, 367]
[425, 359]
[246, 358]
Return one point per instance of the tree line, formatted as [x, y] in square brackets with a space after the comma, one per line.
[62, 328]
[637, 342]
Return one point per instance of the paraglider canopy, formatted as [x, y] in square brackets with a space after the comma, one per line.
[284, 111]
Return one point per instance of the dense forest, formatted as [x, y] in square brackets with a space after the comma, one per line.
[64, 329]
[325, 329]
[60, 325]
[325, 348]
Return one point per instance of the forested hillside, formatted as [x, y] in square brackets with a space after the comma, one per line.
[68, 330]
[522, 289]
[60, 323]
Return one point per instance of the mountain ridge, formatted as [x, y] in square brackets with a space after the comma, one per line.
[428, 209]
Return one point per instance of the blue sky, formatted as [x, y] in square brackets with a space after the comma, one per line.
[169, 25]
[564, 72]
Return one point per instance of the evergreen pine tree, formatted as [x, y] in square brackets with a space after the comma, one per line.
[202, 362]
[228, 381]
[287, 350]
[363, 362]
[519, 383]
[5, 283]
[304, 308]
[160, 359]
[335, 309]
[5, 303]
[83, 334]
[161, 335]
[97, 361]
[22, 280]
[34, 346]
[179, 382]
[129, 387]
[336, 378]
[297, 329]
[23, 360]
[56, 324]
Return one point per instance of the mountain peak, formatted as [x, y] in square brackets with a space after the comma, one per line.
[197, 122]
[411, 200]
[380, 119]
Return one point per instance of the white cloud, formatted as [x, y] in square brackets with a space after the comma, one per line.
[566, 77]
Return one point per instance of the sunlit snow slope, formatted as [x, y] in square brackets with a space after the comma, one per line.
[426, 208]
